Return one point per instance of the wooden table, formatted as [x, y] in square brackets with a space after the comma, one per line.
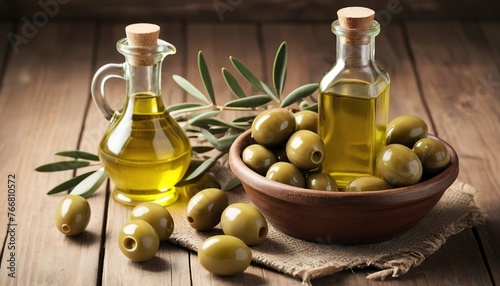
[446, 72]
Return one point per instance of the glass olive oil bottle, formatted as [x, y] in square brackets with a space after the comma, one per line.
[354, 99]
[144, 151]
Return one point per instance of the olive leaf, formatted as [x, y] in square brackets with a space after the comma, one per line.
[205, 76]
[233, 183]
[250, 101]
[90, 184]
[204, 116]
[189, 88]
[226, 142]
[214, 121]
[245, 119]
[312, 107]
[62, 166]
[77, 154]
[69, 184]
[202, 149]
[232, 83]
[279, 68]
[183, 106]
[299, 93]
[199, 171]
[251, 78]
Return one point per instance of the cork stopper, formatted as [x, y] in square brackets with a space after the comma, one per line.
[142, 35]
[355, 20]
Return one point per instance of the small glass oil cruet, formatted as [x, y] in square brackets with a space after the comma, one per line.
[144, 151]
[354, 99]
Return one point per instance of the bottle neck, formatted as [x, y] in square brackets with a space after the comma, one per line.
[143, 79]
[350, 53]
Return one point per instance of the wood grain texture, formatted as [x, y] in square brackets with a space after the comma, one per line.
[262, 10]
[461, 85]
[44, 88]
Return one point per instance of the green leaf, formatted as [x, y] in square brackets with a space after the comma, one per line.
[222, 123]
[69, 183]
[199, 171]
[205, 76]
[279, 68]
[250, 101]
[312, 107]
[183, 105]
[211, 138]
[202, 149]
[90, 184]
[204, 116]
[189, 88]
[232, 83]
[245, 119]
[62, 166]
[233, 183]
[77, 154]
[299, 93]
[225, 142]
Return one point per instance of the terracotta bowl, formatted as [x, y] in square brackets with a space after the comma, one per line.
[340, 217]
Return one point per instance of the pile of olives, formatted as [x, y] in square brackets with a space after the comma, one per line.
[149, 223]
[288, 149]
[410, 155]
[243, 225]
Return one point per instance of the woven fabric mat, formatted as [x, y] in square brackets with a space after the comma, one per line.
[455, 212]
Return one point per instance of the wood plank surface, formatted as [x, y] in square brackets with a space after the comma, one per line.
[460, 82]
[44, 88]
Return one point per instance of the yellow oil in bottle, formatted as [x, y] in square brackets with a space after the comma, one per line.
[145, 152]
[352, 126]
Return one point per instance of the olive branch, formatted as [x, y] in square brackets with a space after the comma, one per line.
[200, 121]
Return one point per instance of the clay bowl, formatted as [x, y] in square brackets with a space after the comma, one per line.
[340, 217]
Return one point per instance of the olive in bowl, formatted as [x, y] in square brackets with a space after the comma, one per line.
[340, 217]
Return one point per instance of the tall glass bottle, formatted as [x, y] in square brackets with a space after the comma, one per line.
[144, 151]
[354, 99]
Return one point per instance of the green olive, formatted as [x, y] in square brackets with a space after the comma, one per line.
[157, 216]
[273, 127]
[245, 222]
[286, 173]
[406, 130]
[207, 180]
[319, 180]
[138, 240]
[205, 208]
[258, 158]
[367, 183]
[433, 154]
[305, 150]
[72, 215]
[224, 255]
[398, 165]
[307, 120]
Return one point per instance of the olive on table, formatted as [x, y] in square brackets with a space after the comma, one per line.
[157, 216]
[205, 208]
[258, 158]
[138, 240]
[72, 215]
[319, 180]
[245, 222]
[406, 130]
[286, 173]
[305, 150]
[273, 127]
[224, 255]
[433, 154]
[367, 183]
[307, 120]
[398, 165]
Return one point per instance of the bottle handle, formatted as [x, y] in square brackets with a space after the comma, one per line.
[106, 72]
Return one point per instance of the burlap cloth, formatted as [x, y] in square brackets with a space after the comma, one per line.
[455, 212]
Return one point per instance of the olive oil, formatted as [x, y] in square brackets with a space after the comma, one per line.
[145, 152]
[352, 126]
